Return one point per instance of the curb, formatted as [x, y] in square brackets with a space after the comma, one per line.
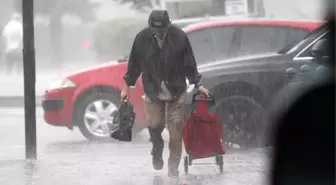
[17, 101]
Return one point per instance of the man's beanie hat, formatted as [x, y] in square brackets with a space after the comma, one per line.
[159, 19]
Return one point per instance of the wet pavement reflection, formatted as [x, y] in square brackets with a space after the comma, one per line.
[66, 158]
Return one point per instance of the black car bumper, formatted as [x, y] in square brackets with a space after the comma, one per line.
[52, 105]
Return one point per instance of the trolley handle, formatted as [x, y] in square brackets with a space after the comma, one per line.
[211, 98]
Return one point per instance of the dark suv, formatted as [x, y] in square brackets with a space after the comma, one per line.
[245, 87]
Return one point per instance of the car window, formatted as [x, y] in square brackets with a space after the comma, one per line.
[296, 35]
[211, 43]
[295, 45]
[261, 39]
[305, 52]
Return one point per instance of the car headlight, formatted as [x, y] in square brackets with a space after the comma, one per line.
[61, 84]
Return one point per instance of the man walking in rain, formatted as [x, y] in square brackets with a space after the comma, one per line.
[13, 35]
[163, 55]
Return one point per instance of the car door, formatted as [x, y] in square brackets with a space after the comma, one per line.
[213, 43]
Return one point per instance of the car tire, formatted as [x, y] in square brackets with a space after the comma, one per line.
[257, 118]
[84, 105]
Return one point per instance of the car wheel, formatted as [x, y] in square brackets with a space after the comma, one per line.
[243, 121]
[95, 113]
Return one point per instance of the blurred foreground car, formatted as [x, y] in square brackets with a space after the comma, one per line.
[89, 98]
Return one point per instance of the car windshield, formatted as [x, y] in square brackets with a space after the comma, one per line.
[296, 44]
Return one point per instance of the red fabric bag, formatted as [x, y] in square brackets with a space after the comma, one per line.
[202, 134]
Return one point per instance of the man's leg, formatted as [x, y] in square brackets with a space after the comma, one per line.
[155, 118]
[175, 127]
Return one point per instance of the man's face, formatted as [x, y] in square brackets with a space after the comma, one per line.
[159, 32]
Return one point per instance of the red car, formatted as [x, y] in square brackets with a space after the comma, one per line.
[88, 98]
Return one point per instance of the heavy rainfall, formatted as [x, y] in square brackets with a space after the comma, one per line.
[244, 49]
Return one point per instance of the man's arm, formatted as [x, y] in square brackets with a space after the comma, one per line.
[5, 31]
[133, 68]
[190, 66]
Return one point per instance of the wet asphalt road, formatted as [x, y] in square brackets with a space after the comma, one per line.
[67, 158]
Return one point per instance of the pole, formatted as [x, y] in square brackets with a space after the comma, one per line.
[29, 77]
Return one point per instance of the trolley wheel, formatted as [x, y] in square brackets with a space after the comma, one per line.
[186, 164]
[221, 163]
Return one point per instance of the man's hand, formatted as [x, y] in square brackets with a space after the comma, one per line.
[125, 93]
[203, 90]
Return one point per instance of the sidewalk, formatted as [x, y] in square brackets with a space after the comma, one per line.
[129, 165]
[12, 86]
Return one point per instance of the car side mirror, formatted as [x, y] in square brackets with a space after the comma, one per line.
[319, 49]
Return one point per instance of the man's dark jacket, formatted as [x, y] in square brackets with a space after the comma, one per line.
[172, 64]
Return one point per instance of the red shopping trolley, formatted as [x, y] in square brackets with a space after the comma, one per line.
[202, 134]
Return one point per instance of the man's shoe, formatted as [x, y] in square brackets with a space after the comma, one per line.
[157, 158]
[157, 150]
